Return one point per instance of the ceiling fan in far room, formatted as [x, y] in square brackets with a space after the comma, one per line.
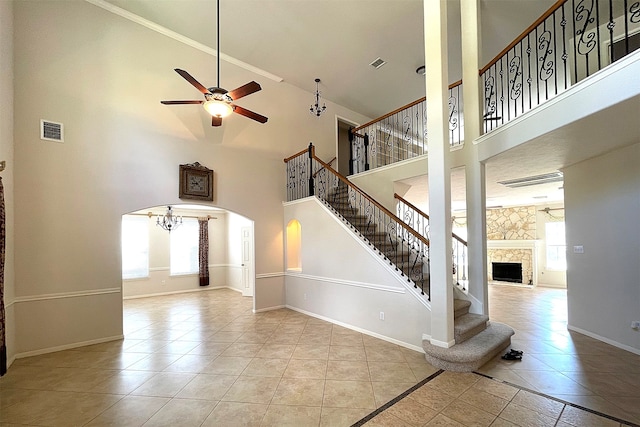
[218, 101]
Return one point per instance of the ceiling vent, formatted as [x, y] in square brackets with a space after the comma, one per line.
[533, 180]
[378, 63]
[51, 131]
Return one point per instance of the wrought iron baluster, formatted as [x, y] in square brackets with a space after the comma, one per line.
[563, 24]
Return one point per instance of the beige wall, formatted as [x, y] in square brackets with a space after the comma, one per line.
[103, 77]
[6, 154]
[602, 201]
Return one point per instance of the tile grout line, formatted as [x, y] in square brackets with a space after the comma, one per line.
[396, 399]
[564, 402]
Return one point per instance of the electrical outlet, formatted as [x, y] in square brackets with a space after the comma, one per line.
[382, 315]
[164, 282]
[635, 324]
[578, 249]
[305, 296]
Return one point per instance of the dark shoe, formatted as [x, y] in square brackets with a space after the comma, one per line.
[516, 352]
[512, 356]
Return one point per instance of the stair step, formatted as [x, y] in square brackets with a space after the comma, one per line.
[468, 325]
[473, 353]
[460, 307]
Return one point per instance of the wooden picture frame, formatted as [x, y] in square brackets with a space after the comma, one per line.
[196, 182]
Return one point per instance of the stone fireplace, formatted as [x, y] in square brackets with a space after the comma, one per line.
[513, 251]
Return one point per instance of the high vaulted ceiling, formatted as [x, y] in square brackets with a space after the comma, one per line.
[336, 40]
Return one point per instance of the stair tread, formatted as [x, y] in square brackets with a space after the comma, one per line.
[459, 304]
[489, 341]
[469, 321]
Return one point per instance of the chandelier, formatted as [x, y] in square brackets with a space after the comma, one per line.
[315, 107]
[169, 221]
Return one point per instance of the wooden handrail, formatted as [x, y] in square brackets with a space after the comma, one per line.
[397, 110]
[373, 201]
[406, 202]
[518, 39]
[288, 159]
[318, 171]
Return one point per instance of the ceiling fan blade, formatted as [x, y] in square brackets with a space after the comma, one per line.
[188, 77]
[244, 90]
[216, 121]
[180, 102]
[250, 114]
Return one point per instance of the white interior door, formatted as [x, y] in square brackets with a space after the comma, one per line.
[248, 275]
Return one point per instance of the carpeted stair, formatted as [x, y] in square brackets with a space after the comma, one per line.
[391, 246]
[477, 341]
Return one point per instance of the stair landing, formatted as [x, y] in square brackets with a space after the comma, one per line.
[473, 353]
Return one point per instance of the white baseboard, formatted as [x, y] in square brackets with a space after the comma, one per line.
[158, 294]
[357, 329]
[67, 347]
[603, 339]
[262, 310]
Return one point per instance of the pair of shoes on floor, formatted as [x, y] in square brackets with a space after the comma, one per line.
[513, 355]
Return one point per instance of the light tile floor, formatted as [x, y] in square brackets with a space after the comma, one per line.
[204, 359]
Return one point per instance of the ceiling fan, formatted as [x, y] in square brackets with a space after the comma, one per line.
[218, 101]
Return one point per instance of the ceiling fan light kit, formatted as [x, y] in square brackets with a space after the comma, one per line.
[218, 108]
[218, 101]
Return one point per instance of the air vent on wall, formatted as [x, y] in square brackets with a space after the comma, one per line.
[378, 63]
[51, 131]
[533, 180]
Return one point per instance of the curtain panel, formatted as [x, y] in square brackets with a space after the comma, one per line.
[3, 344]
[203, 251]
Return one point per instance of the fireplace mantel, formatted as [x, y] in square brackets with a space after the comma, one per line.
[512, 244]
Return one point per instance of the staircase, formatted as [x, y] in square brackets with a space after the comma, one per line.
[409, 261]
[476, 341]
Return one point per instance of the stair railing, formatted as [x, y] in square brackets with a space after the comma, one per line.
[402, 133]
[403, 247]
[569, 42]
[419, 221]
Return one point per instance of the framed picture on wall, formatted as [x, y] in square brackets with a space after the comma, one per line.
[196, 182]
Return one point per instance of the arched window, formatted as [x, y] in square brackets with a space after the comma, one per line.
[294, 245]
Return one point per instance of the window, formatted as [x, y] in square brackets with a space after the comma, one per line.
[184, 247]
[135, 247]
[556, 246]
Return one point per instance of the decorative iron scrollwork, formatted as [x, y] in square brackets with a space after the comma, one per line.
[515, 86]
[586, 42]
[544, 46]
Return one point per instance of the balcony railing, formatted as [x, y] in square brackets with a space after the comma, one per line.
[569, 42]
[415, 218]
[402, 134]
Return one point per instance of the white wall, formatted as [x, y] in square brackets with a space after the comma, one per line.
[234, 251]
[602, 201]
[6, 154]
[344, 281]
[103, 77]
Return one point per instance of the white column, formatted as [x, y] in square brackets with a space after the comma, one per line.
[436, 80]
[475, 171]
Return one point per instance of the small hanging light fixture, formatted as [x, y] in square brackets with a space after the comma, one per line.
[315, 107]
[169, 221]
